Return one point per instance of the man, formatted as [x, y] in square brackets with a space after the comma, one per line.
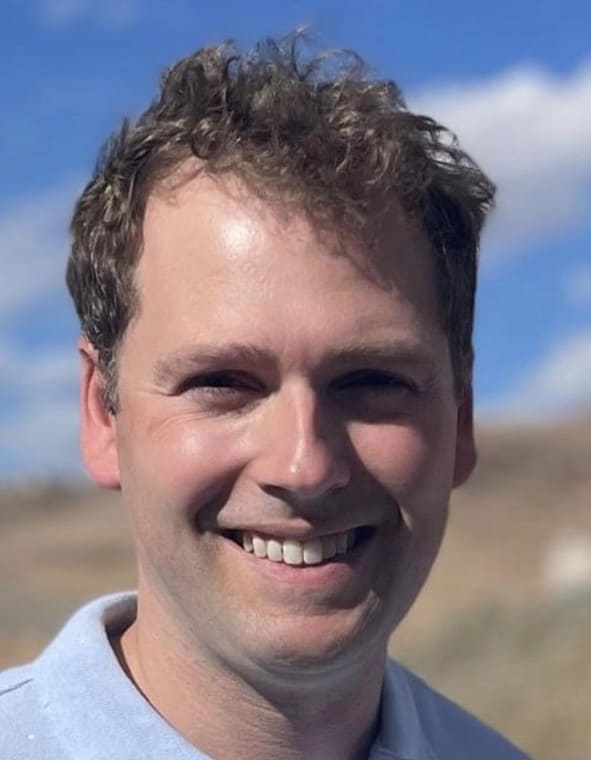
[274, 270]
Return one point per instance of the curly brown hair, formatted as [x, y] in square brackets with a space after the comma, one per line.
[317, 132]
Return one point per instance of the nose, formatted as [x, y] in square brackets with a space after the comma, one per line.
[302, 450]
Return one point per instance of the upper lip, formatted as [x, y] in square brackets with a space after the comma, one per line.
[299, 533]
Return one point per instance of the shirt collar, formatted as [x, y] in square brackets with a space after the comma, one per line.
[94, 709]
[401, 736]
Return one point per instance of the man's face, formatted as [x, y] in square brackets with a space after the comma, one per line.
[278, 389]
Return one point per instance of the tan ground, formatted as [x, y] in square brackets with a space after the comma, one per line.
[492, 630]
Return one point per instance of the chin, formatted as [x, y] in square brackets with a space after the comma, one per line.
[320, 644]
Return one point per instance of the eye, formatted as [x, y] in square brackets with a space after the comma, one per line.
[376, 381]
[220, 384]
[376, 396]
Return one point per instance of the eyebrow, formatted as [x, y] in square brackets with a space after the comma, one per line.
[204, 357]
[391, 352]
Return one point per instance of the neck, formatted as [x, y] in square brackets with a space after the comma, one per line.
[316, 716]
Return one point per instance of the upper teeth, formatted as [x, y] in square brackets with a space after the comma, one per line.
[294, 552]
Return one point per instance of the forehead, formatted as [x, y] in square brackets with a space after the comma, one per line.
[193, 207]
[216, 257]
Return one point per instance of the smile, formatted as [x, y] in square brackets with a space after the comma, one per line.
[290, 551]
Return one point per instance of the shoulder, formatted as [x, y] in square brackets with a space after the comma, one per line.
[16, 692]
[23, 734]
[44, 706]
[451, 732]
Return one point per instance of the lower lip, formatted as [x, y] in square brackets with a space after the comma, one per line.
[337, 570]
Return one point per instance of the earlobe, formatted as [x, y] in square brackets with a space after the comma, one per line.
[97, 424]
[465, 445]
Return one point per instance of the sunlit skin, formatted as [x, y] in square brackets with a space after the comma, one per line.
[292, 384]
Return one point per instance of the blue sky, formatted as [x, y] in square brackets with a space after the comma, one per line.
[512, 79]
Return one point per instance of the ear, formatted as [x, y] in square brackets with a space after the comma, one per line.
[97, 424]
[465, 445]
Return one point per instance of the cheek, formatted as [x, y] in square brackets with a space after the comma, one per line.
[396, 457]
[179, 463]
[413, 462]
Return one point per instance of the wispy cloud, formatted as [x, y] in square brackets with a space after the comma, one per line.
[558, 384]
[33, 248]
[530, 130]
[39, 431]
[577, 287]
[109, 13]
[32, 374]
[40, 440]
[38, 402]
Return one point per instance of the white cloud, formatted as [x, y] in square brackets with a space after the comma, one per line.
[110, 13]
[577, 287]
[33, 248]
[38, 386]
[39, 431]
[531, 131]
[559, 384]
[36, 375]
[41, 441]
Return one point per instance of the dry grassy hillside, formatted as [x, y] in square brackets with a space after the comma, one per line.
[503, 627]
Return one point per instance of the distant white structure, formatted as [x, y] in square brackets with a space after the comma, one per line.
[566, 567]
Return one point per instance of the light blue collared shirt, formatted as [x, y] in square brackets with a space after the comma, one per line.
[75, 703]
